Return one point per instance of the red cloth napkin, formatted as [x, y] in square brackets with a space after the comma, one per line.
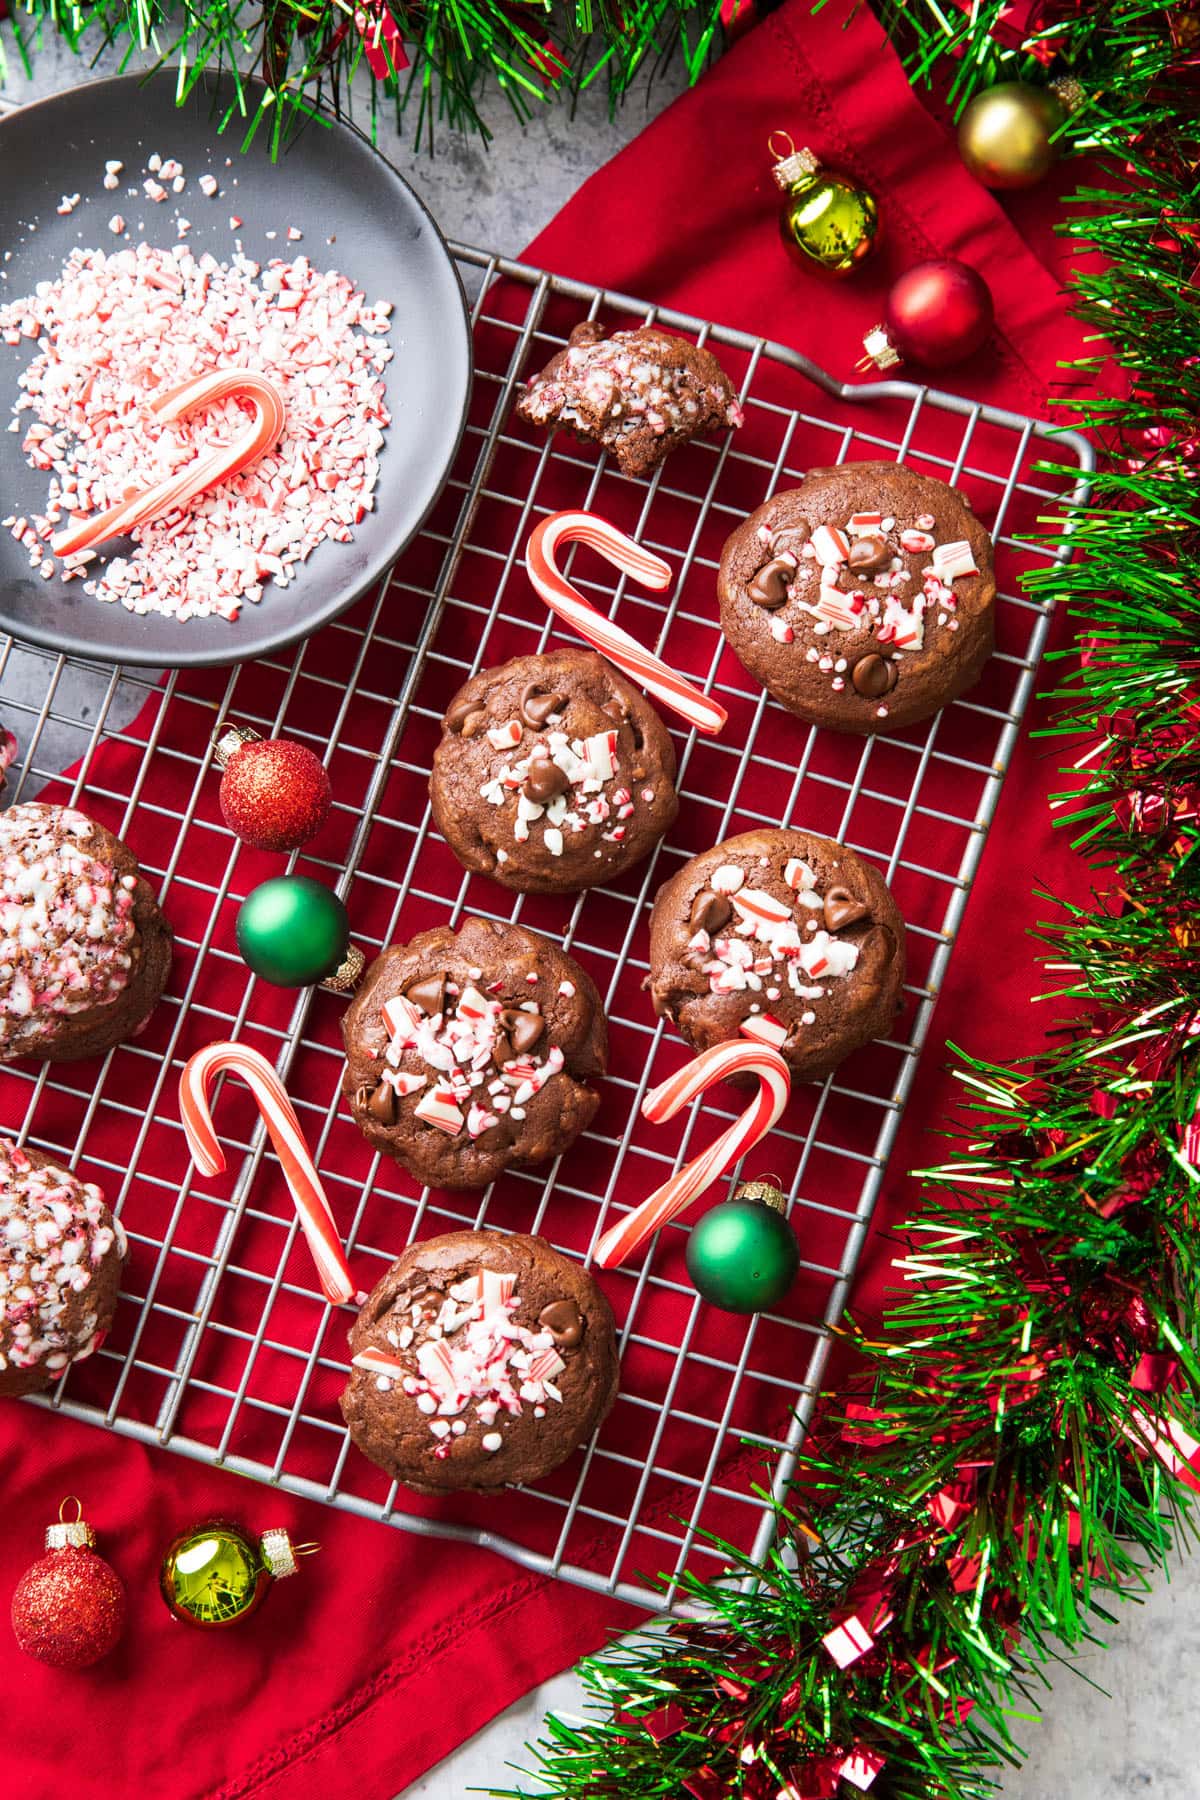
[387, 1650]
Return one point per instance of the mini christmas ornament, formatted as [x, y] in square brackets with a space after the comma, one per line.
[275, 794]
[1005, 133]
[743, 1256]
[293, 932]
[69, 1608]
[936, 314]
[216, 1574]
[829, 222]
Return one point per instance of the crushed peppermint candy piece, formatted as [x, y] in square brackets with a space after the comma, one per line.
[766, 1028]
[954, 560]
[727, 878]
[829, 545]
[437, 1107]
[505, 736]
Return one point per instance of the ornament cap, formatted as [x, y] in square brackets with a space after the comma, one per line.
[765, 1189]
[74, 1533]
[228, 738]
[348, 973]
[881, 353]
[791, 170]
[1069, 91]
[278, 1552]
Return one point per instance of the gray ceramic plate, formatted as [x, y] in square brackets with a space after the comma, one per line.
[329, 183]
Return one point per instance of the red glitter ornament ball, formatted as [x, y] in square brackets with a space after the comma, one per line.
[69, 1608]
[275, 793]
[937, 313]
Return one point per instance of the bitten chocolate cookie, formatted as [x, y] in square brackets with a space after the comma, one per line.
[84, 950]
[787, 933]
[478, 1361]
[61, 1252]
[639, 394]
[554, 773]
[470, 1054]
[864, 599]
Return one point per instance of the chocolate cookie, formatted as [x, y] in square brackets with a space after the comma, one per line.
[84, 950]
[554, 773]
[787, 933]
[479, 1360]
[61, 1252]
[639, 394]
[863, 600]
[470, 1054]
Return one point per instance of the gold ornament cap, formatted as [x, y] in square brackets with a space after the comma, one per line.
[792, 166]
[278, 1552]
[881, 353]
[228, 738]
[1069, 91]
[348, 973]
[73, 1533]
[765, 1189]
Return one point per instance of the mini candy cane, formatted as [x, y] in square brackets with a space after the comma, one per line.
[644, 567]
[207, 470]
[279, 1116]
[738, 1058]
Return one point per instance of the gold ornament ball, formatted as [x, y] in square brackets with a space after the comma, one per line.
[828, 222]
[1004, 136]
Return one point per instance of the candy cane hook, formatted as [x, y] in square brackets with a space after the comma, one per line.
[664, 1101]
[648, 571]
[207, 470]
[279, 1116]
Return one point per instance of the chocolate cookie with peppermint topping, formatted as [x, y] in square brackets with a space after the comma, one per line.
[61, 1253]
[470, 1053]
[84, 950]
[554, 773]
[864, 599]
[479, 1360]
[638, 394]
[782, 936]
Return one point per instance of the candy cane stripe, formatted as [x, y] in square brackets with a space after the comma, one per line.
[206, 471]
[283, 1127]
[650, 571]
[686, 1184]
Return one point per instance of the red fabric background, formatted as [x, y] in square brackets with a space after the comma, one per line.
[387, 1651]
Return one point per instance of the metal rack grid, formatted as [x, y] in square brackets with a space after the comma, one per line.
[223, 1349]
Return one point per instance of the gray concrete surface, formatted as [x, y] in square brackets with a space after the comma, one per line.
[1090, 1746]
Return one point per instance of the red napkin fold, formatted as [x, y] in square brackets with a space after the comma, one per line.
[387, 1650]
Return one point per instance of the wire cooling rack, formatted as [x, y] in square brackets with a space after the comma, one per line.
[223, 1349]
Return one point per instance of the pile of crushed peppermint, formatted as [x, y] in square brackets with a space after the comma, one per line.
[480, 1054]
[66, 921]
[52, 1239]
[116, 326]
[471, 1354]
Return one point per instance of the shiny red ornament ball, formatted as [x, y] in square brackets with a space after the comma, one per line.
[939, 312]
[275, 794]
[69, 1608]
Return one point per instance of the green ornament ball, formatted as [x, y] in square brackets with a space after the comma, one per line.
[217, 1574]
[292, 931]
[743, 1256]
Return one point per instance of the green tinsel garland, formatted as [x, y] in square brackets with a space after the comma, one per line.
[1021, 1450]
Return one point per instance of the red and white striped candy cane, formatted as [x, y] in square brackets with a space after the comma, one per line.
[680, 1189]
[207, 470]
[279, 1116]
[642, 566]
